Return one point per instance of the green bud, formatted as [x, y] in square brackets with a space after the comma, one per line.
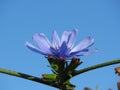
[49, 77]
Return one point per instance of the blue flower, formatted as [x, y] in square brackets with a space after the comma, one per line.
[61, 48]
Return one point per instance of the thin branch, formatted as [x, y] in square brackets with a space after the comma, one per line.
[39, 80]
[96, 66]
[26, 76]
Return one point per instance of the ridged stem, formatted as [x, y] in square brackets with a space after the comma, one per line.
[26, 76]
[39, 80]
[96, 67]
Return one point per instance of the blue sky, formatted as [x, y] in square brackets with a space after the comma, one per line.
[20, 19]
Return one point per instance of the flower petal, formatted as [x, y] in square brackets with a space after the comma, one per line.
[31, 47]
[65, 37]
[54, 51]
[55, 40]
[63, 49]
[88, 53]
[83, 45]
[82, 51]
[61, 52]
[42, 42]
[72, 38]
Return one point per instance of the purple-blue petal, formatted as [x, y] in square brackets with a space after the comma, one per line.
[42, 43]
[72, 38]
[63, 49]
[55, 40]
[65, 37]
[41, 40]
[82, 51]
[88, 53]
[83, 45]
[31, 47]
[55, 52]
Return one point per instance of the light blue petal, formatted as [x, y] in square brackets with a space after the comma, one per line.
[42, 42]
[83, 45]
[65, 37]
[82, 51]
[31, 47]
[88, 53]
[55, 40]
[72, 38]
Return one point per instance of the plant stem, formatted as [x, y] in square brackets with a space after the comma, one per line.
[26, 76]
[95, 67]
[39, 80]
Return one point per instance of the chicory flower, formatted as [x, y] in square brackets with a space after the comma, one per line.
[61, 47]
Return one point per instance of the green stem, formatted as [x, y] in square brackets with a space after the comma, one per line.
[26, 76]
[96, 66]
[39, 80]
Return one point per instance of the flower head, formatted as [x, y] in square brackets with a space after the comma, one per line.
[61, 48]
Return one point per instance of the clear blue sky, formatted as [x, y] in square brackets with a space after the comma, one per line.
[20, 19]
